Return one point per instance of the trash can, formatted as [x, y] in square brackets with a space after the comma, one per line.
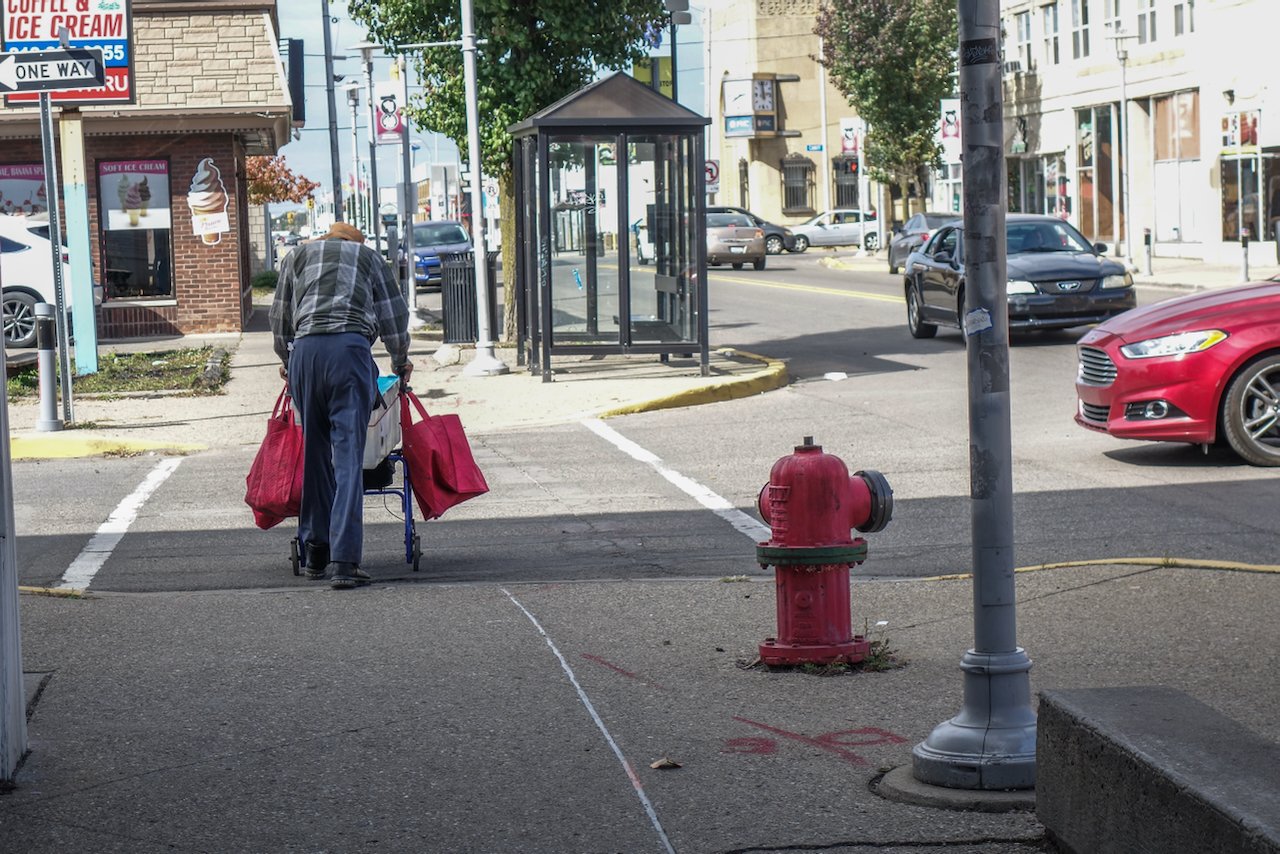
[458, 297]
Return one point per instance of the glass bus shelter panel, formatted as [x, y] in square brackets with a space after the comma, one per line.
[662, 263]
[584, 256]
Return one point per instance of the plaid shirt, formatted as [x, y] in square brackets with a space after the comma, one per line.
[330, 286]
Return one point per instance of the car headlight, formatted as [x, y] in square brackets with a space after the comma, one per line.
[1020, 286]
[1120, 281]
[1174, 345]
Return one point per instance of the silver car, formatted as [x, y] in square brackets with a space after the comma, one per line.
[732, 238]
[839, 227]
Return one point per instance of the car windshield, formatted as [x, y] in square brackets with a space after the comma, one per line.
[723, 220]
[932, 221]
[438, 234]
[1044, 237]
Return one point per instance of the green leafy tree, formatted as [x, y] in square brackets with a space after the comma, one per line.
[538, 51]
[893, 60]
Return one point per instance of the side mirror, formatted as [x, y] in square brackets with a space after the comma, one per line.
[1100, 248]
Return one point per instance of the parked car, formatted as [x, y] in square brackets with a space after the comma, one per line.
[1056, 278]
[430, 241]
[26, 270]
[1199, 368]
[776, 237]
[645, 252]
[732, 238]
[913, 234]
[841, 227]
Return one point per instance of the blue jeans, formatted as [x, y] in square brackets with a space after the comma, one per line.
[334, 381]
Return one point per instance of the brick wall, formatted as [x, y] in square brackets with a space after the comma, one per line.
[210, 283]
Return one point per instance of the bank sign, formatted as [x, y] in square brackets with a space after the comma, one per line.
[107, 25]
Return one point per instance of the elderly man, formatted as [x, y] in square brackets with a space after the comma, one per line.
[334, 297]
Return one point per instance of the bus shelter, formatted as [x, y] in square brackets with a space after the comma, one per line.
[610, 251]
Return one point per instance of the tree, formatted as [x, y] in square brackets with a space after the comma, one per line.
[538, 51]
[893, 60]
[270, 180]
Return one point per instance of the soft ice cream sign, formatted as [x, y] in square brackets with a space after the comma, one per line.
[133, 194]
[207, 199]
[107, 25]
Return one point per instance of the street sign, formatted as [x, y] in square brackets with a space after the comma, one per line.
[713, 176]
[51, 70]
[105, 25]
[812, 147]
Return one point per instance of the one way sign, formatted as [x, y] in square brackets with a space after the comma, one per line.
[48, 70]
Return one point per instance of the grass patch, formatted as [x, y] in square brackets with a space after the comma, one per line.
[264, 285]
[194, 371]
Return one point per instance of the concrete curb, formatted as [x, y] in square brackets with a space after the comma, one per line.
[772, 376]
[66, 445]
[898, 785]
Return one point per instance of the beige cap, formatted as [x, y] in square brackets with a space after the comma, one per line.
[342, 231]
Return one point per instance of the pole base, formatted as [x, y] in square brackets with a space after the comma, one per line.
[485, 364]
[43, 426]
[774, 652]
[991, 743]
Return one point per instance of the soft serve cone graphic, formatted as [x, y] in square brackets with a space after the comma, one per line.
[207, 196]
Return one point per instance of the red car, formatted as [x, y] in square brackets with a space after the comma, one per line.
[1197, 369]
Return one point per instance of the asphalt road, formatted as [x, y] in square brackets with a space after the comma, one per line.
[567, 505]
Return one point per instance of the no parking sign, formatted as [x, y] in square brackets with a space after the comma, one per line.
[713, 176]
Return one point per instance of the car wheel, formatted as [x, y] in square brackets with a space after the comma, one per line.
[1251, 412]
[872, 242]
[758, 263]
[19, 320]
[802, 243]
[737, 265]
[893, 268]
[915, 315]
[773, 245]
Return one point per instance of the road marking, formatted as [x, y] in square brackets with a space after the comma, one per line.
[741, 522]
[99, 548]
[591, 710]
[812, 289]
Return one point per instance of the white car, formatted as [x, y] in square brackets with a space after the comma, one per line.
[840, 227]
[26, 272]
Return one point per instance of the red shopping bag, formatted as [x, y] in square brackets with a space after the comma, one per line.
[442, 470]
[274, 485]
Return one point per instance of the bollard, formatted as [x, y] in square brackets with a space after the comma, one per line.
[1146, 240]
[46, 365]
[1244, 254]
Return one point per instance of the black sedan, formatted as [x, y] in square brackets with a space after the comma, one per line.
[913, 234]
[776, 237]
[1056, 278]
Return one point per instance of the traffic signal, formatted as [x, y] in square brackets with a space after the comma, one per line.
[852, 165]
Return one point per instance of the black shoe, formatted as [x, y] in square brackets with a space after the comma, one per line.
[348, 575]
[317, 559]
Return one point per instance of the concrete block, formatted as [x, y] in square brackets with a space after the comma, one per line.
[1150, 769]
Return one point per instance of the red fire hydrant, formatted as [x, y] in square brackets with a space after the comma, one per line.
[811, 504]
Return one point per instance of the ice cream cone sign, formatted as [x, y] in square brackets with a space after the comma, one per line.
[207, 199]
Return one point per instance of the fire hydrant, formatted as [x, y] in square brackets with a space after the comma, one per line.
[811, 504]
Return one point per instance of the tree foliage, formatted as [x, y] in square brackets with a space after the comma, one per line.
[270, 180]
[538, 51]
[893, 60]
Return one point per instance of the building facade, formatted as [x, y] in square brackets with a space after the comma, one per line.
[170, 225]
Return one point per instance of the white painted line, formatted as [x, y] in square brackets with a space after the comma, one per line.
[591, 710]
[753, 528]
[99, 548]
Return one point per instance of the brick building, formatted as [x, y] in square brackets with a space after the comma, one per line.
[169, 221]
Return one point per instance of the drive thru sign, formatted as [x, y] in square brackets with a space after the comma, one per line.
[50, 70]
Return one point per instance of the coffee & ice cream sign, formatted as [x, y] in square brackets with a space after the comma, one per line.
[207, 199]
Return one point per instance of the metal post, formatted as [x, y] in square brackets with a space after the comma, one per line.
[46, 370]
[335, 164]
[55, 246]
[1244, 253]
[406, 165]
[1124, 155]
[374, 202]
[353, 99]
[822, 134]
[485, 362]
[75, 201]
[13, 696]
[675, 89]
[991, 743]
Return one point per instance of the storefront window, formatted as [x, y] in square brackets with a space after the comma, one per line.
[135, 224]
[1239, 197]
[1177, 164]
[1097, 165]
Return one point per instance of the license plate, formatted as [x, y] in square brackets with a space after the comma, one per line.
[737, 250]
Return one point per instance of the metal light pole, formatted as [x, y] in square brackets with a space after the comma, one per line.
[485, 362]
[407, 211]
[991, 743]
[822, 134]
[353, 100]
[1122, 54]
[366, 56]
[334, 163]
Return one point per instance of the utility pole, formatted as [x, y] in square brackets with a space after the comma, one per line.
[366, 56]
[335, 165]
[353, 100]
[991, 743]
[1122, 54]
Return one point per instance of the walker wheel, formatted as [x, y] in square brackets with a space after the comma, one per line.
[417, 552]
